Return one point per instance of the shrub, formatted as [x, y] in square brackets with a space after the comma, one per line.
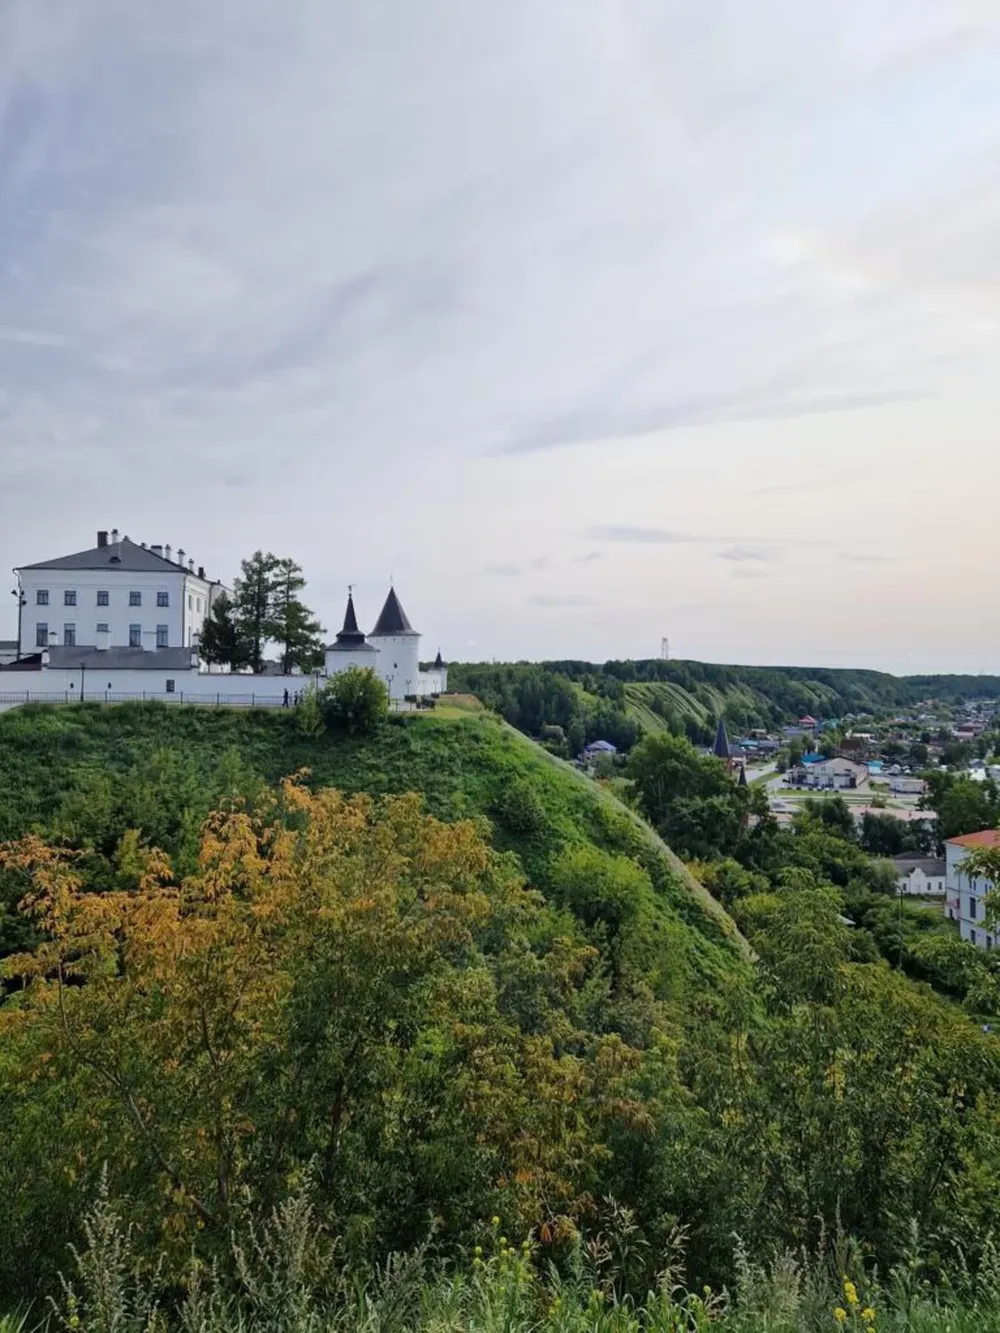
[355, 701]
[519, 810]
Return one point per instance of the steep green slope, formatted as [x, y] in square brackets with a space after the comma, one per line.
[85, 770]
[611, 700]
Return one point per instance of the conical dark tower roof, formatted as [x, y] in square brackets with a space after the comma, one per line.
[742, 779]
[439, 662]
[721, 748]
[350, 638]
[392, 619]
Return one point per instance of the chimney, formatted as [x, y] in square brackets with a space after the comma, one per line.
[102, 539]
[191, 564]
[201, 571]
[114, 536]
[180, 555]
[166, 550]
[156, 548]
[143, 545]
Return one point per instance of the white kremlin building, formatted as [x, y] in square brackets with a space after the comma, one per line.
[124, 620]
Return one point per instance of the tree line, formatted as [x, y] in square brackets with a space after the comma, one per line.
[265, 609]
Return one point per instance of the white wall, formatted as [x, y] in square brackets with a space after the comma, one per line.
[360, 657]
[918, 883]
[152, 684]
[398, 662]
[189, 600]
[970, 895]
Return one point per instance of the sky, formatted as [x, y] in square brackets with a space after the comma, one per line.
[589, 323]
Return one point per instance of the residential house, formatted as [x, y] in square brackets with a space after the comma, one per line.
[921, 877]
[969, 893]
[829, 775]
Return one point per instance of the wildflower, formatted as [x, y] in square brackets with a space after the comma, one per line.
[851, 1292]
[478, 1251]
[494, 1221]
[868, 1315]
[840, 1314]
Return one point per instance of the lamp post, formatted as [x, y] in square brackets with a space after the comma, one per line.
[83, 680]
[18, 592]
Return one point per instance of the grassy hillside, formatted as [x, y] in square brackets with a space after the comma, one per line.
[93, 768]
[613, 699]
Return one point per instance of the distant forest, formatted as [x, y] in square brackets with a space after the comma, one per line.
[617, 700]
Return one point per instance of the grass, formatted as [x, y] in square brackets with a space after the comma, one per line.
[462, 759]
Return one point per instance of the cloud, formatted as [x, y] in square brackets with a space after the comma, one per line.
[370, 266]
[626, 532]
[755, 403]
[866, 557]
[560, 600]
[588, 558]
[30, 338]
[754, 554]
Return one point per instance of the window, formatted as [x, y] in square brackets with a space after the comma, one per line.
[135, 636]
[972, 937]
[171, 686]
[103, 599]
[163, 636]
[135, 598]
[42, 597]
[972, 908]
[102, 627]
[190, 602]
[41, 635]
[69, 597]
[69, 636]
[162, 599]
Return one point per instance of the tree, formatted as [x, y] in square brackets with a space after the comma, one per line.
[290, 624]
[692, 801]
[355, 701]
[253, 594]
[221, 642]
[337, 987]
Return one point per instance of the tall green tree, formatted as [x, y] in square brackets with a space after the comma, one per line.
[253, 595]
[291, 624]
[221, 641]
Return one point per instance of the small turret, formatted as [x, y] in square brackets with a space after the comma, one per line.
[721, 749]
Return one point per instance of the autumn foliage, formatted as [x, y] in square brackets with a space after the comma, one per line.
[342, 982]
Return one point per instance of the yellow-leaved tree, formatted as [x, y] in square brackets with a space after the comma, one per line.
[345, 985]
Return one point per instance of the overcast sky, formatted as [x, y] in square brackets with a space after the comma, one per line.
[589, 321]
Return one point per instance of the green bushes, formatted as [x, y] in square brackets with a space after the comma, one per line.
[355, 701]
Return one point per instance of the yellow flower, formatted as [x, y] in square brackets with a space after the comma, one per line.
[868, 1315]
[840, 1314]
[851, 1292]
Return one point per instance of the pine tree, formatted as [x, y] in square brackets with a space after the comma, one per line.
[253, 596]
[221, 643]
[291, 624]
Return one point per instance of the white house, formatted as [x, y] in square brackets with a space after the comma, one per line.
[968, 894]
[830, 774]
[115, 595]
[921, 877]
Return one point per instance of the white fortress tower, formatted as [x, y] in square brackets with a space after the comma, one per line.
[349, 649]
[391, 650]
[397, 644]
